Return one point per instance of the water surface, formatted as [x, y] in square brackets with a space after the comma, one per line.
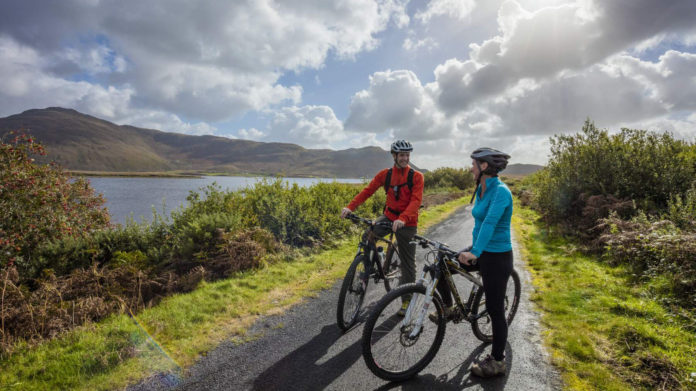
[137, 196]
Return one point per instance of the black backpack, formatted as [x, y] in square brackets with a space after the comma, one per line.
[409, 182]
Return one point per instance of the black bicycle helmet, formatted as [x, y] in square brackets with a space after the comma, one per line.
[497, 161]
[401, 146]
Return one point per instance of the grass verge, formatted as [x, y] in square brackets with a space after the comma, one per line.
[604, 332]
[168, 338]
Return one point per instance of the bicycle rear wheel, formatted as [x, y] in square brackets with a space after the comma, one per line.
[389, 349]
[482, 327]
[352, 293]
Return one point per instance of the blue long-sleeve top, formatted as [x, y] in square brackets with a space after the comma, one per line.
[492, 214]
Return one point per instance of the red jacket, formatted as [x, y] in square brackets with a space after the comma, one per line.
[409, 200]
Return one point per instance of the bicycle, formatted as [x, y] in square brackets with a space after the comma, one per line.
[398, 348]
[370, 261]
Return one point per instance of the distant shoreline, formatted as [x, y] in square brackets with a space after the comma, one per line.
[135, 174]
[181, 174]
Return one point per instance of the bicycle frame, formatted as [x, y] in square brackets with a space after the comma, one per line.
[368, 245]
[438, 270]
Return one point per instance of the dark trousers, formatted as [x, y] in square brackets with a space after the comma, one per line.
[495, 269]
[407, 251]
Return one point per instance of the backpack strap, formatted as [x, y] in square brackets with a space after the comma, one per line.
[387, 181]
[387, 185]
[409, 181]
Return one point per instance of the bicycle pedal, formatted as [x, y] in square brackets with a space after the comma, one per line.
[457, 316]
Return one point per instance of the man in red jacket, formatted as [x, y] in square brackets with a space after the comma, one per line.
[404, 197]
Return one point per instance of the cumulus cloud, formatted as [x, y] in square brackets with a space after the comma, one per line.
[543, 43]
[24, 84]
[207, 60]
[309, 126]
[619, 89]
[397, 102]
[457, 9]
[410, 44]
[251, 134]
[167, 122]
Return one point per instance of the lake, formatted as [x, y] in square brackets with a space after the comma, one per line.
[136, 196]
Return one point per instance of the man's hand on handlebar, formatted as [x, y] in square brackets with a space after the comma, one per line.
[397, 224]
[345, 212]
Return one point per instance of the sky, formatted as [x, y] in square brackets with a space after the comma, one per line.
[447, 75]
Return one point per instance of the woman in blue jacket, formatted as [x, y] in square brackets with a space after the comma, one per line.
[491, 251]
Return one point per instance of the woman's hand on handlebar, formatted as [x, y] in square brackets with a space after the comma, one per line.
[467, 258]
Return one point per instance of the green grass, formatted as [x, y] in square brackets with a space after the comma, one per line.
[603, 331]
[173, 335]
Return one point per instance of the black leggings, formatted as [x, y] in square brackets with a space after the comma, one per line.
[495, 269]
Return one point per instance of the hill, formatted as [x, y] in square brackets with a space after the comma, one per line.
[521, 169]
[82, 142]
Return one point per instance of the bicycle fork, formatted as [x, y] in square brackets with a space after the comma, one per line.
[427, 301]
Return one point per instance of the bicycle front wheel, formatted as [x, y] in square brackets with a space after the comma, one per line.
[483, 327]
[352, 293]
[392, 270]
[391, 349]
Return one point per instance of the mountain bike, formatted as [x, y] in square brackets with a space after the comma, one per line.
[396, 348]
[370, 262]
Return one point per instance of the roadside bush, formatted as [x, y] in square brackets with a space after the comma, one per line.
[73, 279]
[40, 203]
[195, 236]
[60, 257]
[654, 248]
[681, 210]
[302, 216]
[637, 165]
[448, 177]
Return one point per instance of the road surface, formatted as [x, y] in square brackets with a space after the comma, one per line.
[303, 349]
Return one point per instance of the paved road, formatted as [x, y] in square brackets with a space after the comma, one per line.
[303, 349]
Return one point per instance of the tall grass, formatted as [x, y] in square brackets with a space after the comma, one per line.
[604, 331]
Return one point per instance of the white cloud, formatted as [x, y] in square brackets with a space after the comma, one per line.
[543, 43]
[309, 126]
[619, 90]
[251, 134]
[167, 122]
[456, 9]
[397, 102]
[209, 60]
[24, 84]
[427, 43]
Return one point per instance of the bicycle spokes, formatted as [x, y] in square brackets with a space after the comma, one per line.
[398, 345]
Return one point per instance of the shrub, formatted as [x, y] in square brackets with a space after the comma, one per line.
[654, 248]
[681, 210]
[449, 177]
[61, 256]
[77, 278]
[302, 216]
[636, 165]
[41, 203]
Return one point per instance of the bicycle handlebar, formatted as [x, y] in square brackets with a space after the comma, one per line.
[441, 247]
[358, 219]
[425, 242]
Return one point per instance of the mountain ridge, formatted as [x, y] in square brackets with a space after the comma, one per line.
[81, 142]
